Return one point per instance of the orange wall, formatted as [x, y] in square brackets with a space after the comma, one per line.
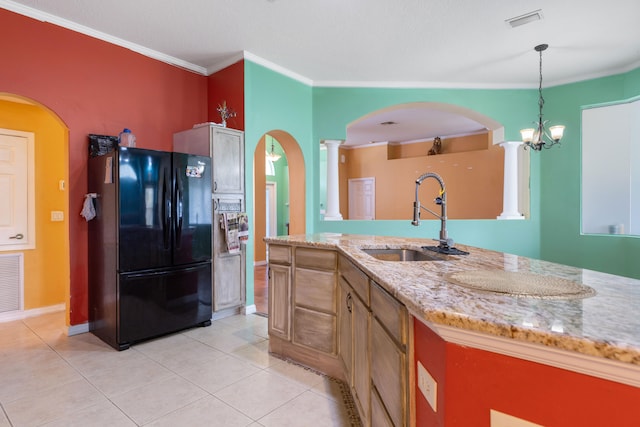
[95, 87]
[473, 179]
[259, 203]
[471, 382]
[46, 268]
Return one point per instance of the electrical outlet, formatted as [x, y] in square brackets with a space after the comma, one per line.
[428, 386]
[57, 216]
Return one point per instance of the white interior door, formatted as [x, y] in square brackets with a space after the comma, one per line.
[272, 209]
[17, 210]
[362, 198]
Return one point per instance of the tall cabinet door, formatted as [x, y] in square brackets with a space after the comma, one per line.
[227, 150]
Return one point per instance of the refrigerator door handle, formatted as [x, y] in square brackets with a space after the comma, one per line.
[178, 202]
[166, 211]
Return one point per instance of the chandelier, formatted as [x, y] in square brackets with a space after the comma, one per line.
[272, 156]
[540, 138]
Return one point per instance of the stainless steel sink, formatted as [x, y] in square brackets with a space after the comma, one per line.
[402, 254]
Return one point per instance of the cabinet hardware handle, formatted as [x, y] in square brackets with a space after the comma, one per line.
[349, 302]
[215, 186]
[18, 236]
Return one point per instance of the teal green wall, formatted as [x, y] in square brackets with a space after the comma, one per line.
[561, 236]
[335, 108]
[276, 102]
[273, 102]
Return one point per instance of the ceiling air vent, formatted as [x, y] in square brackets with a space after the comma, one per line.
[536, 15]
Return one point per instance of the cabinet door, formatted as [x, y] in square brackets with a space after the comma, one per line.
[345, 333]
[227, 150]
[389, 373]
[228, 268]
[227, 286]
[379, 416]
[361, 361]
[280, 301]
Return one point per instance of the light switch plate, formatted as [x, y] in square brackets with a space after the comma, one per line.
[428, 386]
[499, 419]
[57, 216]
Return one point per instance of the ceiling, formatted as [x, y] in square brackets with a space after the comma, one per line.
[373, 43]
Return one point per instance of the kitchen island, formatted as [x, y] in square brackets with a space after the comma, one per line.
[480, 347]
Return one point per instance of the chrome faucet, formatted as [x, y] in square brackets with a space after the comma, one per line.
[445, 241]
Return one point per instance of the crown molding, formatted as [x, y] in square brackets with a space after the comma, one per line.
[277, 68]
[225, 63]
[65, 23]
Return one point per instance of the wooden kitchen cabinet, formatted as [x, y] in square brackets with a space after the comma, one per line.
[389, 363]
[345, 329]
[280, 291]
[303, 306]
[355, 351]
[315, 311]
[328, 314]
[227, 154]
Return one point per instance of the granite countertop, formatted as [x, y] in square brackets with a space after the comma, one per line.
[606, 325]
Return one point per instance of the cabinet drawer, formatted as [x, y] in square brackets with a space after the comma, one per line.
[315, 289]
[315, 330]
[356, 278]
[280, 254]
[316, 258]
[390, 312]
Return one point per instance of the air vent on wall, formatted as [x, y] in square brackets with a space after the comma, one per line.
[536, 15]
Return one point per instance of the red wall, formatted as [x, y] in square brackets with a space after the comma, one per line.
[227, 85]
[95, 87]
[476, 381]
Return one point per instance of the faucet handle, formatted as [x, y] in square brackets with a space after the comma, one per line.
[448, 242]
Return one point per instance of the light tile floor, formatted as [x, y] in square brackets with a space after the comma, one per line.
[221, 375]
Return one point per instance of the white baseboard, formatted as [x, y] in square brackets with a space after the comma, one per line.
[78, 329]
[24, 314]
[249, 309]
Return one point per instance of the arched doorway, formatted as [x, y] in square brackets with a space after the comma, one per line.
[295, 177]
[47, 266]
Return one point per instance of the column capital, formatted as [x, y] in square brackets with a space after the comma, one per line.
[333, 142]
[506, 144]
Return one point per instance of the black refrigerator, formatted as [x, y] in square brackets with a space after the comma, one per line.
[149, 244]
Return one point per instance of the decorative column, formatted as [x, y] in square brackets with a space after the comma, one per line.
[333, 184]
[510, 195]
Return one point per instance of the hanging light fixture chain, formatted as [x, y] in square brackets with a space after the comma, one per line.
[540, 48]
[540, 138]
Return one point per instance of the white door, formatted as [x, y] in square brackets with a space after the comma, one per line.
[362, 198]
[16, 189]
[272, 209]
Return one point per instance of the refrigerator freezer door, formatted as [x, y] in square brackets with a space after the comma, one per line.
[163, 301]
[145, 204]
[192, 208]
